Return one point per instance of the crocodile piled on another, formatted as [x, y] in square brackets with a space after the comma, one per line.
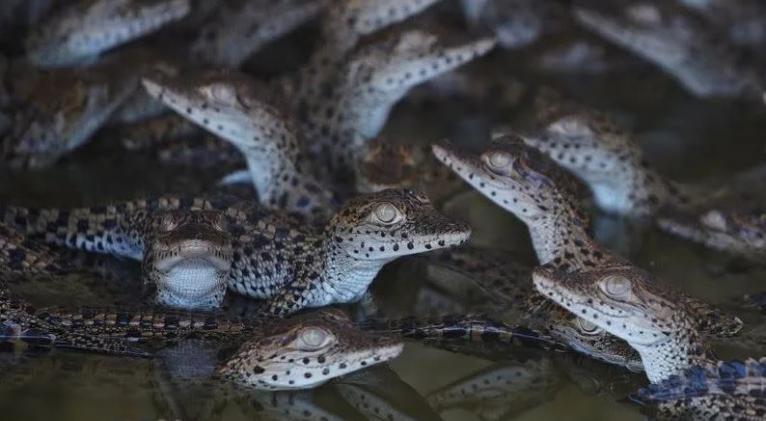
[278, 146]
[528, 184]
[686, 381]
[274, 257]
[607, 159]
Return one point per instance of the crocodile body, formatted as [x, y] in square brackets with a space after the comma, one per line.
[678, 44]
[686, 381]
[724, 217]
[81, 31]
[43, 127]
[528, 184]
[20, 256]
[604, 156]
[274, 257]
[283, 149]
[506, 292]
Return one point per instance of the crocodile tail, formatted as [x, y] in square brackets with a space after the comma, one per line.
[99, 344]
[114, 229]
[465, 328]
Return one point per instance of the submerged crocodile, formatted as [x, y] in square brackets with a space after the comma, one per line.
[81, 30]
[686, 381]
[274, 257]
[528, 184]
[678, 44]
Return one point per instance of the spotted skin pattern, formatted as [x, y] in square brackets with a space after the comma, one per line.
[528, 184]
[275, 257]
[686, 380]
[21, 256]
[507, 291]
[82, 30]
[44, 127]
[240, 28]
[230, 106]
[306, 351]
[604, 156]
[188, 258]
[356, 98]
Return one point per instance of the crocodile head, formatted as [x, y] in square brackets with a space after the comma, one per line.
[44, 127]
[348, 20]
[385, 165]
[599, 152]
[589, 339]
[306, 351]
[516, 177]
[628, 303]
[378, 76]
[84, 29]
[735, 231]
[383, 226]
[188, 259]
[237, 109]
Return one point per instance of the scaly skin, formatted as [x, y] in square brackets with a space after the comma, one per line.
[528, 184]
[358, 95]
[43, 127]
[275, 257]
[229, 106]
[730, 230]
[188, 258]
[516, 23]
[686, 381]
[677, 44]
[81, 31]
[603, 156]
[20, 256]
[500, 391]
[507, 291]
[306, 351]
[240, 28]
[608, 160]
[386, 165]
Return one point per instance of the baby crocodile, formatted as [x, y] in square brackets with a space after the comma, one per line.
[20, 256]
[603, 155]
[608, 160]
[274, 257]
[528, 184]
[678, 44]
[283, 155]
[306, 351]
[82, 30]
[506, 291]
[686, 381]
[42, 127]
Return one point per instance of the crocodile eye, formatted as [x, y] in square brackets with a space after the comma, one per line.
[220, 92]
[313, 338]
[616, 286]
[498, 160]
[387, 213]
[587, 327]
[169, 222]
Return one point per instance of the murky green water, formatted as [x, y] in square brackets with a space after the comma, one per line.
[688, 139]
